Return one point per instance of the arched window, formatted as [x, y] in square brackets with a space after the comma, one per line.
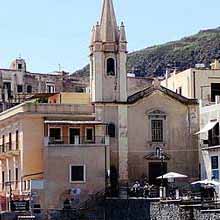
[110, 67]
[29, 89]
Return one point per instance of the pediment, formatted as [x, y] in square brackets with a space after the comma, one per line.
[154, 156]
[156, 112]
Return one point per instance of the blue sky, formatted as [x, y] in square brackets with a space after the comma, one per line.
[51, 32]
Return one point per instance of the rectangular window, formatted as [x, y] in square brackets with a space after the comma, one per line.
[28, 184]
[3, 180]
[3, 143]
[77, 173]
[19, 88]
[74, 135]
[7, 86]
[214, 162]
[50, 88]
[9, 175]
[215, 167]
[89, 134]
[213, 136]
[9, 142]
[17, 140]
[29, 89]
[16, 174]
[55, 133]
[16, 177]
[215, 91]
[215, 174]
[24, 185]
[19, 66]
[157, 130]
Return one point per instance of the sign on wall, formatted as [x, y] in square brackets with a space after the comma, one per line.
[20, 206]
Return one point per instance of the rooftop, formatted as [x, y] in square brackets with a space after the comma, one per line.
[45, 109]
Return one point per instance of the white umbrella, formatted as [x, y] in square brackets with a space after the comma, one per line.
[207, 182]
[172, 175]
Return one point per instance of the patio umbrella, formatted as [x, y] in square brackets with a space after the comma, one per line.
[207, 182]
[172, 175]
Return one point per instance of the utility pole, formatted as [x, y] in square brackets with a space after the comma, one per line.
[160, 155]
[162, 167]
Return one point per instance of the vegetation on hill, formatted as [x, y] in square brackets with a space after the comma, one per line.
[202, 47]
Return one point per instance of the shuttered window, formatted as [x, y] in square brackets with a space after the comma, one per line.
[157, 130]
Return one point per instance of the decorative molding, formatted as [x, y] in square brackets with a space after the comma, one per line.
[157, 114]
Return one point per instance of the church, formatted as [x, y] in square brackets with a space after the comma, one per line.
[151, 120]
[78, 142]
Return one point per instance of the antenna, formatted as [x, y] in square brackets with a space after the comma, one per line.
[59, 67]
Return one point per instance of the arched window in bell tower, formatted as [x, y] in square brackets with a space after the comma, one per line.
[110, 67]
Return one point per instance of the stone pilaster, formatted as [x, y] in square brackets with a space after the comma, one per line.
[123, 142]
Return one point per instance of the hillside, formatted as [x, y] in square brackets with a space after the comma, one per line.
[202, 47]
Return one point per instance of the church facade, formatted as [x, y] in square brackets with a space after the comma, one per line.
[146, 122]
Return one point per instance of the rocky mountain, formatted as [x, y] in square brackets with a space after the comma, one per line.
[202, 47]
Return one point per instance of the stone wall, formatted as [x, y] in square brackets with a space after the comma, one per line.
[173, 211]
[206, 215]
[133, 209]
[160, 211]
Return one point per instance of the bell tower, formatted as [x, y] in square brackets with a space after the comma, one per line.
[108, 57]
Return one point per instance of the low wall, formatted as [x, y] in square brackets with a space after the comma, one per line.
[132, 209]
[174, 211]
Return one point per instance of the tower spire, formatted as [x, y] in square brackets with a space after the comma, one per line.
[122, 37]
[109, 29]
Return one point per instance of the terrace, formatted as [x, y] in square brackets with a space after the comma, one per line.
[7, 150]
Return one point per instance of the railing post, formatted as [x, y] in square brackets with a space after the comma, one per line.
[46, 141]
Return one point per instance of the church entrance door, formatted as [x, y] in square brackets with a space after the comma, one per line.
[155, 170]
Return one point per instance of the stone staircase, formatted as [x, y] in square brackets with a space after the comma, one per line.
[97, 207]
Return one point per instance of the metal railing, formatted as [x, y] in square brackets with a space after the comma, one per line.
[215, 141]
[8, 147]
[211, 142]
[77, 140]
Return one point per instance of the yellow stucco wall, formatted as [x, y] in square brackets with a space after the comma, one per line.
[70, 98]
[57, 172]
[32, 148]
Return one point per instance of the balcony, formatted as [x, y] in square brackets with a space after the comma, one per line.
[76, 141]
[211, 143]
[7, 150]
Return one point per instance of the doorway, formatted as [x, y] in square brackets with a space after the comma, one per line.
[155, 171]
[74, 135]
[7, 86]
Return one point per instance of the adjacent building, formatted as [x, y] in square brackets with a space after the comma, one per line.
[52, 151]
[197, 83]
[17, 83]
[210, 141]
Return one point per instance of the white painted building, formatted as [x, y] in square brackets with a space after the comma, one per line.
[210, 141]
